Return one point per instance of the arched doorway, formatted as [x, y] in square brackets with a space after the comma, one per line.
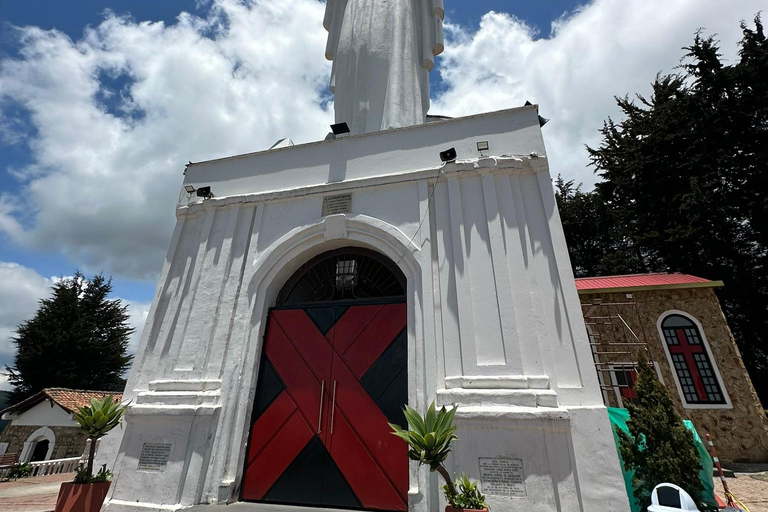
[40, 451]
[333, 373]
[39, 444]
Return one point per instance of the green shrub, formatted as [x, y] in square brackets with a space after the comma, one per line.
[467, 495]
[659, 448]
[429, 440]
[19, 470]
[96, 420]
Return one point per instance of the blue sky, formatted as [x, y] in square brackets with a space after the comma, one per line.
[103, 102]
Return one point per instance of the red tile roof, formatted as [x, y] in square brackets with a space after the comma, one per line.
[68, 399]
[638, 282]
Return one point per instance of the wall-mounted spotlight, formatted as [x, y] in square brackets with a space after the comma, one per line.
[482, 145]
[449, 155]
[339, 130]
[204, 192]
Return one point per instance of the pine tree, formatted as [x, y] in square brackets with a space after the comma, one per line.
[659, 448]
[684, 187]
[78, 339]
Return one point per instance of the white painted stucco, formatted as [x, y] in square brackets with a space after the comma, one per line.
[46, 413]
[494, 321]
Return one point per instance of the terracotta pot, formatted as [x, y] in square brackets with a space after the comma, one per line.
[81, 497]
[449, 508]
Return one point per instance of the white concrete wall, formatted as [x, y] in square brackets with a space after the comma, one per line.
[494, 322]
[46, 414]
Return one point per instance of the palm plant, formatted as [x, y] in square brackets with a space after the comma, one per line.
[429, 439]
[96, 420]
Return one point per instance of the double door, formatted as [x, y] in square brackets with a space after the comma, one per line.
[331, 378]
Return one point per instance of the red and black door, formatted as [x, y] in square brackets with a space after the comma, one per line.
[331, 378]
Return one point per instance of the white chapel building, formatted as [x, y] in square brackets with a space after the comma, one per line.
[316, 288]
[311, 291]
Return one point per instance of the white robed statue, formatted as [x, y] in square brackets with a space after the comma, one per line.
[382, 53]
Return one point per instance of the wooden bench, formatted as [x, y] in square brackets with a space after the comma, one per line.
[7, 461]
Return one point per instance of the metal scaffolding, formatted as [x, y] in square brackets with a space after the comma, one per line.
[616, 336]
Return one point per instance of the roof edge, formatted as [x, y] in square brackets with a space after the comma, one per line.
[679, 286]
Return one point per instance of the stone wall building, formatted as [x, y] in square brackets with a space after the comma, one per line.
[676, 320]
[43, 426]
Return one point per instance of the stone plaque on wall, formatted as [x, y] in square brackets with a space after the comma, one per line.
[154, 457]
[333, 205]
[502, 477]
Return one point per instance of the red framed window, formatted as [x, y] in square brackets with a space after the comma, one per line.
[692, 363]
[623, 379]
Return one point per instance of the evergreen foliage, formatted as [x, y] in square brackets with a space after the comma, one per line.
[685, 187]
[659, 448]
[78, 339]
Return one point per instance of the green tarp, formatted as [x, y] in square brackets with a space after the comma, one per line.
[619, 418]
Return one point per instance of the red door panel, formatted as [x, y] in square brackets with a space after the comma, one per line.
[370, 425]
[270, 463]
[294, 367]
[371, 485]
[301, 417]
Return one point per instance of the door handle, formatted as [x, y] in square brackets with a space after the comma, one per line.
[333, 406]
[320, 416]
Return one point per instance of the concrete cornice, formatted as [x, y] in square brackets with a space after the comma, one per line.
[513, 164]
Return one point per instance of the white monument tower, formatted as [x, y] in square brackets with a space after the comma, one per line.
[309, 291]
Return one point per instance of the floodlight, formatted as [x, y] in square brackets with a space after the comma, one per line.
[449, 155]
[190, 189]
[340, 129]
[482, 145]
[204, 192]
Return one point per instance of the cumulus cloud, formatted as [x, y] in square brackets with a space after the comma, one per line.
[121, 111]
[21, 289]
[118, 113]
[604, 49]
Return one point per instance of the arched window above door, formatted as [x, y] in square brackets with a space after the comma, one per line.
[351, 273]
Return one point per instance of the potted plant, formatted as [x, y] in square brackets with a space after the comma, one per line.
[87, 492]
[429, 439]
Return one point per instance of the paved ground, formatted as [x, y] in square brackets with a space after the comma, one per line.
[32, 494]
[751, 488]
[39, 494]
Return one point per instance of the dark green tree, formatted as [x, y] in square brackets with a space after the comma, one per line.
[659, 448]
[595, 242]
[685, 186]
[77, 339]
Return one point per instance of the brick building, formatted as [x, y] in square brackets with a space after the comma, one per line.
[676, 320]
[43, 426]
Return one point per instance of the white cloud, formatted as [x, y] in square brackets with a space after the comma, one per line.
[105, 176]
[607, 48]
[138, 312]
[118, 113]
[21, 289]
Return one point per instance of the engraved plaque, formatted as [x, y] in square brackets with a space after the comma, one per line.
[502, 477]
[333, 205]
[154, 457]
